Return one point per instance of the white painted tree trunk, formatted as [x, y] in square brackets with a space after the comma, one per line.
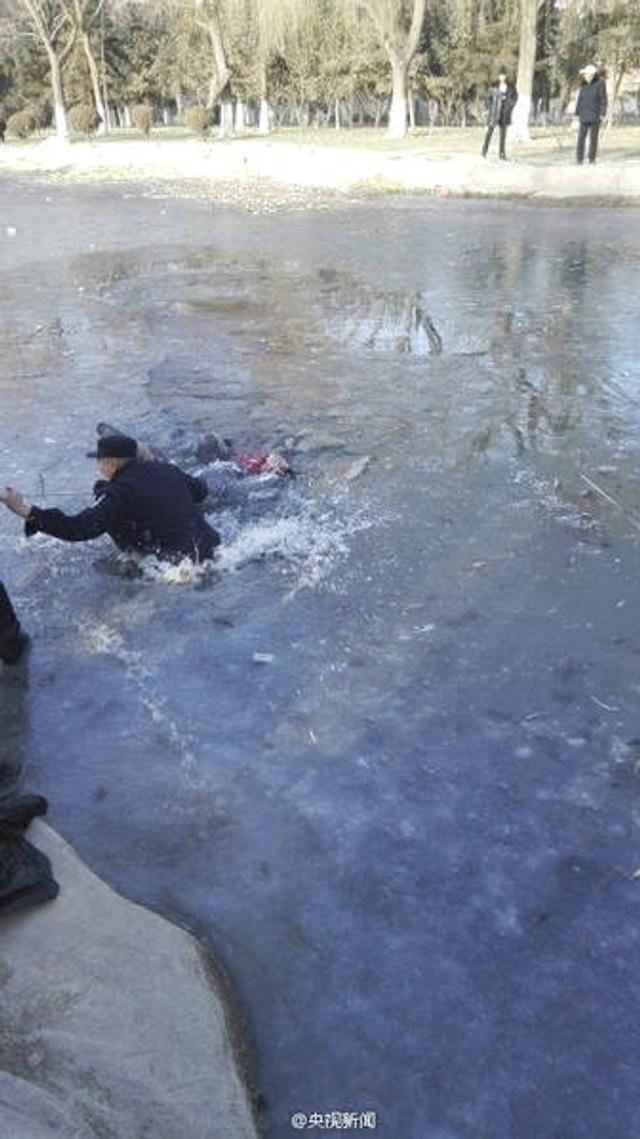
[264, 124]
[336, 114]
[526, 65]
[59, 113]
[519, 129]
[615, 75]
[397, 117]
[398, 111]
[226, 119]
[239, 121]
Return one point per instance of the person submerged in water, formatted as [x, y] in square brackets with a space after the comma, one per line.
[224, 471]
[212, 448]
[145, 507]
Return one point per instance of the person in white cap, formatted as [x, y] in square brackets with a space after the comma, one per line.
[591, 108]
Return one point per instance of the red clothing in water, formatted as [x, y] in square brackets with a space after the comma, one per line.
[251, 464]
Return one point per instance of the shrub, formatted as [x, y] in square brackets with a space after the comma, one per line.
[198, 120]
[22, 123]
[42, 113]
[83, 119]
[142, 118]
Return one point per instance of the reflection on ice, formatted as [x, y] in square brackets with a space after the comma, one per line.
[382, 321]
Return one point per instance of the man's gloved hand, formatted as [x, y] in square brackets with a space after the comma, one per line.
[99, 487]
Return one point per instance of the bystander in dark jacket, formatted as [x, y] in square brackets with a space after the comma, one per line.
[591, 109]
[499, 102]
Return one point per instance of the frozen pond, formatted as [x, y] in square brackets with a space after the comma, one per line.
[411, 837]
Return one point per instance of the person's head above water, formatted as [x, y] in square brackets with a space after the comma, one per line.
[112, 452]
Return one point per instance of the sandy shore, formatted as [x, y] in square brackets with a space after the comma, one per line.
[264, 174]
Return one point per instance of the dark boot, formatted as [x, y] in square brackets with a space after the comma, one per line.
[12, 639]
[18, 810]
[18, 647]
[25, 873]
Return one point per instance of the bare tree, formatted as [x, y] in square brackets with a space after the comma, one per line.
[279, 25]
[208, 14]
[83, 16]
[399, 24]
[272, 18]
[56, 32]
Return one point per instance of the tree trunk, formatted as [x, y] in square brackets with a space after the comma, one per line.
[336, 114]
[220, 77]
[526, 65]
[59, 112]
[95, 81]
[47, 39]
[263, 121]
[398, 110]
[239, 121]
[614, 83]
[103, 73]
[226, 117]
[412, 113]
[264, 124]
[400, 45]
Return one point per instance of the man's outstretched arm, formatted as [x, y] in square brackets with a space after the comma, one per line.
[82, 527]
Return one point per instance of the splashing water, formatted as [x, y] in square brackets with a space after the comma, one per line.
[310, 545]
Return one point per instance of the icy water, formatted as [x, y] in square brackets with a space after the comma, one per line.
[411, 835]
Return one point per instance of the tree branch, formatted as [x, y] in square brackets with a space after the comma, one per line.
[417, 21]
[68, 46]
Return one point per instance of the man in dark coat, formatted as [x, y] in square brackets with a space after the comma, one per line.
[13, 640]
[591, 108]
[500, 100]
[147, 507]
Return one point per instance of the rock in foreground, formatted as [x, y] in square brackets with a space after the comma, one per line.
[111, 1026]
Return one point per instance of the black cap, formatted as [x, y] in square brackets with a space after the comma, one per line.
[115, 447]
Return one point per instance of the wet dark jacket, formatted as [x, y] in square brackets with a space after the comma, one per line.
[148, 507]
[499, 108]
[592, 101]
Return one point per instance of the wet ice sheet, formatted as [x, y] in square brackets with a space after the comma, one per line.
[411, 834]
